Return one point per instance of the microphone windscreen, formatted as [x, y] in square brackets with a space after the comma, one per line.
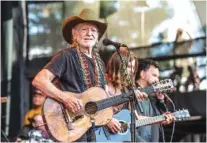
[106, 42]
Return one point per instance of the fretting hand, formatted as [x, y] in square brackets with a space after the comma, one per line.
[140, 95]
[169, 118]
[160, 95]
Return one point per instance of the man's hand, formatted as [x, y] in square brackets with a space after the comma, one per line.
[168, 118]
[114, 125]
[159, 95]
[72, 104]
[140, 95]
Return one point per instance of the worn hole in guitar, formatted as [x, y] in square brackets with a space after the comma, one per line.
[91, 107]
[77, 117]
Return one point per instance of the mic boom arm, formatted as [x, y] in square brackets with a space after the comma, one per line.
[107, 42]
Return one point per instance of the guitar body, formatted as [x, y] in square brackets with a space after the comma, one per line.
[56, 116]
[122, 116]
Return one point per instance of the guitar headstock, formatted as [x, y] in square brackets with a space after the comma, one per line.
[182, 114]
[165, 85]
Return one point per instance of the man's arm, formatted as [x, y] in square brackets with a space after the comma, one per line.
[43, 82]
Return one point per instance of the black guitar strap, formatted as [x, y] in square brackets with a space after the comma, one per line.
[106, 132]
[93, 135]
[92, 130]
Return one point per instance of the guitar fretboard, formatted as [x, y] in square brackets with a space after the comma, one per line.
[151, 120]
[125, 97]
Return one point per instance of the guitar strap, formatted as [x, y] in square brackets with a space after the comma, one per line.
[106, 132]
[93, 128]
[93, 135]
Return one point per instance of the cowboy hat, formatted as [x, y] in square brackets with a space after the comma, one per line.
[86, 15]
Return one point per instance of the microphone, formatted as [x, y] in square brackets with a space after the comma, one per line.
[107, 42]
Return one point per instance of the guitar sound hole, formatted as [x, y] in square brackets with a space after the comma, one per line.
[91, 108]
[124, 127]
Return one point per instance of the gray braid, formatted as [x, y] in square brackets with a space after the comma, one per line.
[100, 62]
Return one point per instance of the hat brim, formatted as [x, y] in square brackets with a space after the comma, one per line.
[71, 22]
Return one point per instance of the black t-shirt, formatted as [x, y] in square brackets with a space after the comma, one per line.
[66, 66]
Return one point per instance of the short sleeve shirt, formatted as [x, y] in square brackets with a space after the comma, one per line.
[66, 66]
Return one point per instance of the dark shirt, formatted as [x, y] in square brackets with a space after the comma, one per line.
[65, 65]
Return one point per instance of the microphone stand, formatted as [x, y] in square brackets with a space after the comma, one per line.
[132, 102]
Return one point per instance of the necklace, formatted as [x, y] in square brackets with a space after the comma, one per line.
[85, 70]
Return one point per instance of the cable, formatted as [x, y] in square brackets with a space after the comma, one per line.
[163, 134]
[173, 105]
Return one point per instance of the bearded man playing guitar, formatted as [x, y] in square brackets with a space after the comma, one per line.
[77, 69]
[147, 74]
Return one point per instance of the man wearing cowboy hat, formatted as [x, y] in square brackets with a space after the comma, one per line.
[77, 68]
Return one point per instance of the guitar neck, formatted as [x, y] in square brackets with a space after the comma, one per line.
[105, 103]
[150, 120]
[148, 89]
[125, 97]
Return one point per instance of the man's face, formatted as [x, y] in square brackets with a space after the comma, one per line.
[151, 75]
[38, 100]
[85, 34]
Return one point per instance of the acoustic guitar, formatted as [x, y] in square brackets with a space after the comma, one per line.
[124, 117]
[65, 126]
